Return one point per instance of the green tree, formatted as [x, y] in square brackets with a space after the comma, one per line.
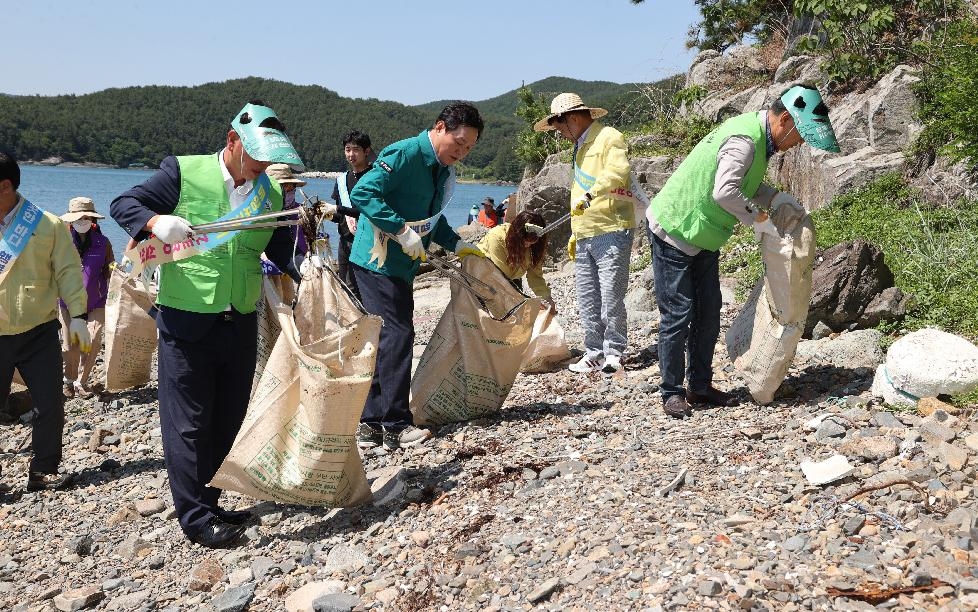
[533, 147]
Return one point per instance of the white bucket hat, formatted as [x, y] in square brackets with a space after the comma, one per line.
[565, 103]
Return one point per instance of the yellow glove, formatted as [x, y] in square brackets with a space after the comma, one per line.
[572, 246]
[78, 333]
[464, 249]
[578, 207]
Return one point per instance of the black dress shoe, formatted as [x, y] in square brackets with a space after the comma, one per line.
[39, 481]
[676, 407]
[217, 533]
[711, 396]
[235, 517]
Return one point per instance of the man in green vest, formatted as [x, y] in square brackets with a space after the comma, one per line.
[694, 214]
[207, 323]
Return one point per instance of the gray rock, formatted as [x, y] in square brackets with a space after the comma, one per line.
[710, 588]
[846, 279]
[853, 524]
[81, 545]
[344, 558]
[795, 543]
[821, 330]
[886, 419]
[78, 599]
[543, 590]
[336, 602]
[235, 599]
[830, 428]
[851, 350]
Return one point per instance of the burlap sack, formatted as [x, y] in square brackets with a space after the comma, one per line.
[763, 338]
[475, 352]
[130, 332]
[297, 444]
[268, 327]
[547, 348]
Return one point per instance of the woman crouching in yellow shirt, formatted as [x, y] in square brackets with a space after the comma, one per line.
[517, 251]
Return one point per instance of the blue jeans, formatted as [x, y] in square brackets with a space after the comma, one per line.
[687, 289]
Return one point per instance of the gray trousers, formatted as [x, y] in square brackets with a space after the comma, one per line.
[601, 268]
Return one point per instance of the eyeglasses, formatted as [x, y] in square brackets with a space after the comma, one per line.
[557, 119]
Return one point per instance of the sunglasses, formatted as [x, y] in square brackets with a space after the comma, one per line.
[557, 119]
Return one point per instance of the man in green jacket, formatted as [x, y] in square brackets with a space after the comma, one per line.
[38, 265]
[717, 185]
[401, 201]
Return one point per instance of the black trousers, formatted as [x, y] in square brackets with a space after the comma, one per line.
[392, 299]
[204, 385]
[343, 251]
[36, 353]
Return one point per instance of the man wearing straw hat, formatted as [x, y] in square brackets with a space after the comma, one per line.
[38, 265]
[97, 258]
[602, 220]
[716, 186]
[207, 323]
[282, 174]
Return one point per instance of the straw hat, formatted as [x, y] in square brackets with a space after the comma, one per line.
[565, 103]
[282, 173]
[79, 208]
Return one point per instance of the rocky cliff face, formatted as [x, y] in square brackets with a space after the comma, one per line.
[874, 129]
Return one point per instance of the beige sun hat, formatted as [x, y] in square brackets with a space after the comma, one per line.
[565, 103]
[79, 208]
[282, 173]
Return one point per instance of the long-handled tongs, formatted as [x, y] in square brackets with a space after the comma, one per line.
[446, 268]
[265, 220]
[555, 223]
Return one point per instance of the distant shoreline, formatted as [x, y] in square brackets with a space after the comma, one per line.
[310, 174]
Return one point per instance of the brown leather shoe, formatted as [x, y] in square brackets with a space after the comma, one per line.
[711, 396]
[40, 481]
[676, 407]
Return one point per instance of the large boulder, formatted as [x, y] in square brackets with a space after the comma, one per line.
[848, 278]
[548, 193]
[873, 128]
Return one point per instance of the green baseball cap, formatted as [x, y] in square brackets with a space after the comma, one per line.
[266, 144]
[811, 117]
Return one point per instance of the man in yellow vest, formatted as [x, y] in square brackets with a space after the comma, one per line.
[38, 265]
[207, 323]
[716, 186]
[602, 221]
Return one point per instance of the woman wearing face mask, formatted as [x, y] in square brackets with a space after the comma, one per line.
[97, 257]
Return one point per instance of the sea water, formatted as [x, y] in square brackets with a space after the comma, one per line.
[50, 187]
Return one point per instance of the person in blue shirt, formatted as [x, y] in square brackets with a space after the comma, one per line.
[401, 200]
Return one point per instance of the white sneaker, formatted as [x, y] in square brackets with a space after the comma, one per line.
[612, 363]
[588, 363]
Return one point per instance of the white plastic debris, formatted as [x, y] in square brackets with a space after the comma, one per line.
[824, 472]
[930, 362]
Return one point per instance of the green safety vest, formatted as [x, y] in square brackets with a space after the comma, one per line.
[228, 274]
[685, 207]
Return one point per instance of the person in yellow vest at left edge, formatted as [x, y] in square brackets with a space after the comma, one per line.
[207, 322]
[38, 265]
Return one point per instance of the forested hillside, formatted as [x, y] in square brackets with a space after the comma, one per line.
[144, 124]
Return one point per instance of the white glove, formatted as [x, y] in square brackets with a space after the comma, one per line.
[410, 243]
[78, 334]
[463, 249]
[314, 262]
[765, 227]
[172, 229]
[783, 198]
[328, 210]
[126, 264]
[533, 228]
[351, 224]
[578, 207]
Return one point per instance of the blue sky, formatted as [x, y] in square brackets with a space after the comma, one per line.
[411, 51]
